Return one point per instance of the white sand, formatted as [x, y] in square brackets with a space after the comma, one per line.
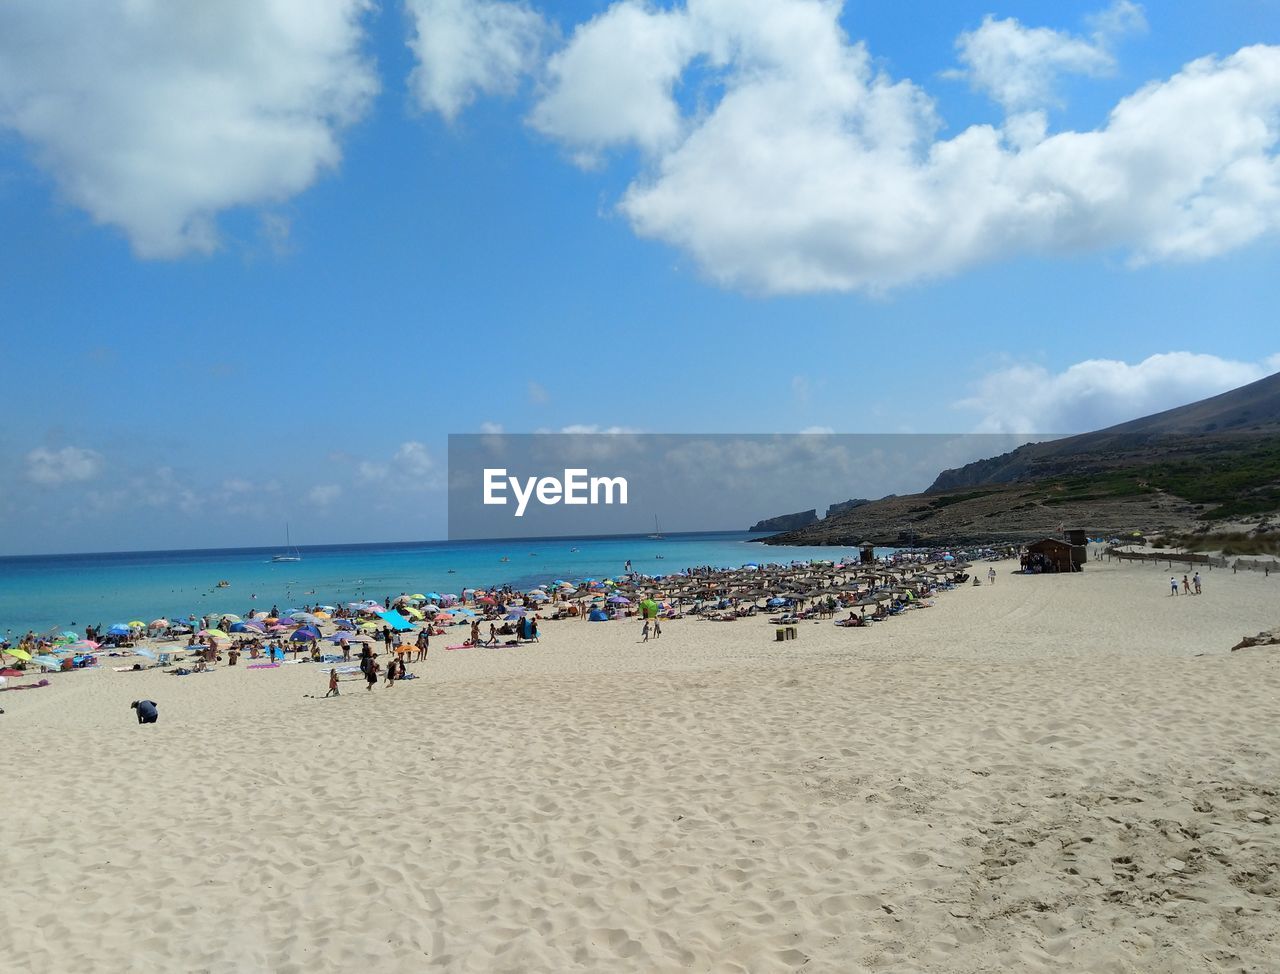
[1051, 773]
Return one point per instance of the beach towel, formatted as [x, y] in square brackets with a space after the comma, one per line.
[460, 647]
[29, 686]
[263, 666]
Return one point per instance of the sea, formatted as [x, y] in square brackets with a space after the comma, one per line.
[70, 592]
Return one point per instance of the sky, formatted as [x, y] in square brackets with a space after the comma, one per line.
[259, 258]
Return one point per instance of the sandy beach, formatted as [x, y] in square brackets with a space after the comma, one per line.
[1049, 773]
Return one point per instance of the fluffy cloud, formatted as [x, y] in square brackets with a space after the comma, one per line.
[410, 467]
[1101, 392]
[414, 459]
[322, 495]
[154, 117]
[1017, 65]
[470, 47]
[804, 167]
[71, 464]
[613, 83]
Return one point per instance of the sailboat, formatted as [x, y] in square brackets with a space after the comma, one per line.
[291, 553]
[657, 531]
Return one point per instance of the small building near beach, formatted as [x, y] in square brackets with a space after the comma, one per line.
[1052, 555]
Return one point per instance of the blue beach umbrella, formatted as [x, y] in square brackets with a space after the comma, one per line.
[119, 629]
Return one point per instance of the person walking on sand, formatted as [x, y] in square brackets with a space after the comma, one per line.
[371, 673]
[1186, 585]
[657, 628]
[391, 674]
[1173, 585]
[991, 575]
[1195, 583]
[333, 684]
[644, 633]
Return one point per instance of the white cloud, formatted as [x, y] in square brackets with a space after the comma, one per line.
[1101, 392]
[613, 83]
[71, 464]
[469, 47]
[537, 393]
[1018, 65]
[800, 388]
[593, 429]
[803, 167]
[414, 459]
[490, 428]
[322, 495]
[154, 117]
[817, 431]
[411, 467]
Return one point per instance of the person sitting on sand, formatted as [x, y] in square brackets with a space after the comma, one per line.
[148, 713]
[333, 683]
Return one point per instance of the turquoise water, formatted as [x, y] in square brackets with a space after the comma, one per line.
[42, 592]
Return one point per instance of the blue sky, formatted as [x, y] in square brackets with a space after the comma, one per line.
[256, 268]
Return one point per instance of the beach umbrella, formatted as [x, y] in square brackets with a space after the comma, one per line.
[412, 613]
[216, 633]
[46, 660]
[119, 629]
[229, 616]
[304, 636]
[619, 600]
[21, 654]
[159, 623]
[303, 617]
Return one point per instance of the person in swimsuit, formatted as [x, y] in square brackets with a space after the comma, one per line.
[371, 673]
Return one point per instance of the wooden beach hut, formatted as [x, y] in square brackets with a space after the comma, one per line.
[1057, 556]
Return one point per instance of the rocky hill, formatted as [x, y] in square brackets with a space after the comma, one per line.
[786, 522]
[1181, 471]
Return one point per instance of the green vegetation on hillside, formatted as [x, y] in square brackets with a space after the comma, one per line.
[1230, 484]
